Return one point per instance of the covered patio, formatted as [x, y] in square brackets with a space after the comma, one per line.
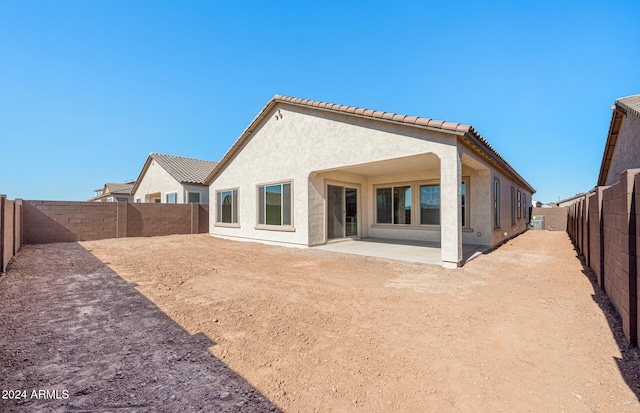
[423, 252]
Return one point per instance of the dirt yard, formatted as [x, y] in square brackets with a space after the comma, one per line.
[519, 329]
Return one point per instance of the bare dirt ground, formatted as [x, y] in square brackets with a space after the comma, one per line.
[519, 329]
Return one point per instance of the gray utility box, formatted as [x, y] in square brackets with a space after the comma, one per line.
[537, 222]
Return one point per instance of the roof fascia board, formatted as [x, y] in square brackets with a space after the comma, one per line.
[609, 146]
[142, 173]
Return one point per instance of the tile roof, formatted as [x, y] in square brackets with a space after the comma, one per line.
[110, 189]
[458, 128]
[630, 103]
[123, 188]
[185, 170]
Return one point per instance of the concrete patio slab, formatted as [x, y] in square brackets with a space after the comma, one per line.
[423, 252]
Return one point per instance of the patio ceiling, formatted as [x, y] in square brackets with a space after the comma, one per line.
[393, 166]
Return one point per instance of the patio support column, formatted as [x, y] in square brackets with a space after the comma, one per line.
[450, 204]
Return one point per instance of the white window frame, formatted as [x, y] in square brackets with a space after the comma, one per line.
[235, 223]
[166, 197]
[275, 227]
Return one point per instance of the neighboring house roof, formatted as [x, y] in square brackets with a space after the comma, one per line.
[112, 189]
[623, 106]
[467, 132]
[124, 188]
[572, 198]
[183, 170]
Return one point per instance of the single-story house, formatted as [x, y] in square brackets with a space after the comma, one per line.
[622, 150]
[571, 200]
[305, 173]
[173, 180]
[111, 192]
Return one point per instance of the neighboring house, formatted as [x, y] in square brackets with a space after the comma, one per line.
[304, 173]
[114, 192]
[173, 180]
[622, 150]
[571, 200]
[536, 204]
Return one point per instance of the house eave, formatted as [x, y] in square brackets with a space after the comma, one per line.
[455, 129]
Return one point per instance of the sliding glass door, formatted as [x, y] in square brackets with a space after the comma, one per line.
[342, 212]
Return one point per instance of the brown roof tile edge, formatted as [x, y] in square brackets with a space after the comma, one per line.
[630, 103]
[397, 118]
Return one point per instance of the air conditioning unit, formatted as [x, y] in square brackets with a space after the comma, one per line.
[537, 222]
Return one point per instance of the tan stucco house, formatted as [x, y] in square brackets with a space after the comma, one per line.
[305, 173]
[622, 150]
[112, 192]
[173, 180]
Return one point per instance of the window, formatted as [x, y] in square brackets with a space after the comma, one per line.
[193, 197]
[138, 200]
[513, 206]
[172, 198]
[393, 205]
[519, 204]
[430, 204]
[227, 204]
[122, 199]
[496, 203]
[274, 204]
[463, 202]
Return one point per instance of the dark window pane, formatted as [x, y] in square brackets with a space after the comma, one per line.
[429, 204]
[273, 204]
[227, 207]
[383, 206]
[286, 204]
[402, 205]
[261, 205]
[464, 203]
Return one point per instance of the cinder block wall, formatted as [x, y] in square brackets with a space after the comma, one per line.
[555, 219]
[64, 221]
[10, 230]
[605, 229]
[148, 220]
[616, 258]
[596, 260]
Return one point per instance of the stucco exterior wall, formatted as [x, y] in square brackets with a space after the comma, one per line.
[302, 141]
[158, 180]
[507, 228]
[627, 150]
[313, 149]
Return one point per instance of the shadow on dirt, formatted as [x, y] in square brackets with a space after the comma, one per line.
[84, 339]
[629, 364]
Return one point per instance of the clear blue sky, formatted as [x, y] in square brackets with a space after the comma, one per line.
[89, 88]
